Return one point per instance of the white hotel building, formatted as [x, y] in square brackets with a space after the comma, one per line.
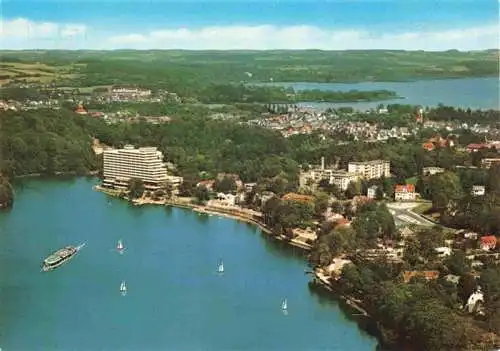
[144, 163]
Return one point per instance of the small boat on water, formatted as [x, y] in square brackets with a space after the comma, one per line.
[59, 257]
[120, 246]
[123, 288]
[220, 268]
[284, 305]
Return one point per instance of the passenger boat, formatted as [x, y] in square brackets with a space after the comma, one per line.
[59, 257]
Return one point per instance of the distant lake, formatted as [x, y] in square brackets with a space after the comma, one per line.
[476, 93]
[175, 301]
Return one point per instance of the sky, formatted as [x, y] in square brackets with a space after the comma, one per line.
[252, 25]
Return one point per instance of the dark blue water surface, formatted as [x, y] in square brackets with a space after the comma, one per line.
[175, 300]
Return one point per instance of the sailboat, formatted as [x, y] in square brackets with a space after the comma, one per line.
[220, 269]
[284, 305]
[120, 246]
[123, 288]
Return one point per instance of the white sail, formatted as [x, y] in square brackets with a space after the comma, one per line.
[284, 305]
[120, 245]
[220, 269]
[123, 287]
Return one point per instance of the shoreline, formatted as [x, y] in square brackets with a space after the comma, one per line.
[56, 174]
[231, 213]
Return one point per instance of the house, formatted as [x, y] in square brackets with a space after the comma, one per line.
[428, 275]
[405, 192]
[226, 199]
[428, 171]
[475, 301]
[488, 242]
[443, 251]
[249, 186]
[428, 146]
[478, 190]
[81, 110]
[372, 192]
[470, 235]
[341, 222]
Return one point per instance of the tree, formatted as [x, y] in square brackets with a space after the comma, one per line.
[493, 186]
[457, 263]
[225, 185]
[202, 194]
[445, 188]
[6, 193]
[270, 210]
[135, 188]
[353, 189]
[466, 286]
[320, 203]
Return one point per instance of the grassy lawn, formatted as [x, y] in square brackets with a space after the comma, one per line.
[423, 208]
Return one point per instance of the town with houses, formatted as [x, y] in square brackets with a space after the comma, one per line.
[147, 164]
[159, 183]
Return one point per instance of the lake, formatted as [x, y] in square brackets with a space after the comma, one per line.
[175, 301]
[476, 93]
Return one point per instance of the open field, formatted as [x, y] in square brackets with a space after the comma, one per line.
[35, 72]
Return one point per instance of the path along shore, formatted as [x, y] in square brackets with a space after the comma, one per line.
[233, 212]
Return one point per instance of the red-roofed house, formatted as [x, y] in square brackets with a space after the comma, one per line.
[342, 222]
[428, 146]
[405, 192]
[297, 197]
[429, 275]
[81, 110]
[488, 242]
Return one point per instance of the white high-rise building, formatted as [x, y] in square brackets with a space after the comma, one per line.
[370, 169]
[144, 163]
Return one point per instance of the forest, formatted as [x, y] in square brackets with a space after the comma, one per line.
[191, 73]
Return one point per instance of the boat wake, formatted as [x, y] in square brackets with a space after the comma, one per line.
[81, 246]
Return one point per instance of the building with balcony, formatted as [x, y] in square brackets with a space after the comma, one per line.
[144, 163]
[370, 169]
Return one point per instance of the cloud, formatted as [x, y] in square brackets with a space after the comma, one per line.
[21, 33]
[25, 34]
[308, 37]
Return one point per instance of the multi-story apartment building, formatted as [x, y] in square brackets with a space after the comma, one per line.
[488, 162]
[144, 163]
[340, 178]
[370, 169]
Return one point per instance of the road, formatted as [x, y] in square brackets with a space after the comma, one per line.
[403, 215]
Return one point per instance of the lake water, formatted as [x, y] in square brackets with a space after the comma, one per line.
[476, 93]
[175, 301]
